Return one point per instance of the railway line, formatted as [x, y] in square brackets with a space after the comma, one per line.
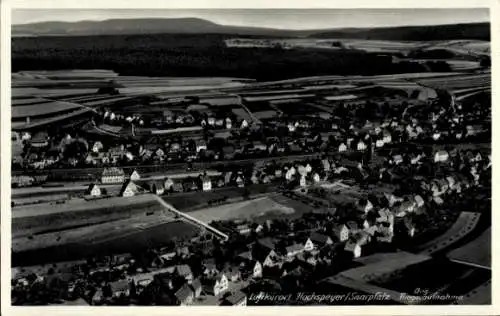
[175, 167]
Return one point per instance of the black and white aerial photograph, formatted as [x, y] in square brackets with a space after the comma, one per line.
[250, 157]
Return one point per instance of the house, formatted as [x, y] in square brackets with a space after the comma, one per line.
[385, 216]
[134, 176]
[196, 287]
[244, 124]
[184, 295]
[206, 183]
[98, 297]
[365, 205]
[438, 200]
[309, 245]
[183, 252]
[184, 271]
[128, 189]
[392, 199]
[443, 185]
[168, 184]
[379, 143]
[243, 229]
[240, 182]
[259, 146]
[237, 298]
[97, 147]
[326, 165]
[316, 178]
[397, 159]
[253, 268]
[289, 174]
[211, 120]
[452, 183]
[267, 243]
[361, 146]
[441, 156]
[416, 159]
[177, 187]
[419, 200]
[40, 140]
[410, 227]
[341, 232]
[159, 153]
[293, 250]
[165, 257]
[352, 227]
[233, 274]
[259, 228]
[254, 179]
[266, 256]
[354, 248]
[387, 137]
[156, 187]
[303, 181]
[112, 175]
[120, 288]
[318, 241]
[201, 145]
[307, 258]
[228, 152]
[216, 285]
[219, 122]
[342, 148]
[93, 190]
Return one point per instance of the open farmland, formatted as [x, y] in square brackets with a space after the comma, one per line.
[465, 223]
[480, 295]
[39, 218]
[34, 123]
[382, 266]
[251, 209]
[458, 82]
[413, 277]
[477, 252]
[296, 108]
[91, 233]
[41, 109]
[126, 238]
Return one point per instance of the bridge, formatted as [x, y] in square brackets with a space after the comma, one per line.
[192, 219]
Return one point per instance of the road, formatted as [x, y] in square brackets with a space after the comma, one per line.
[174, 167]
[191, 219]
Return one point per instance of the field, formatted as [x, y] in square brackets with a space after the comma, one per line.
[414, 277]
[94, 233]
[464, 47]
[250, 210]
[42, 109]
[128, 239]
[465, 223]
[477, 252]
[480, 295]
[40, 218]
[188, 201]
[383, 266]
[458, 82]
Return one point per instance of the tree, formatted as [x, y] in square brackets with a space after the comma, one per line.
[485, 62]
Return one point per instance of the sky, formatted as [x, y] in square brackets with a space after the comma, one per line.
[294, 19]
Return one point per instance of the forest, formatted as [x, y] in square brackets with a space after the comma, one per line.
[195, 55]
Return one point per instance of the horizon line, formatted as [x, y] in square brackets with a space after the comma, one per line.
[245, 26]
